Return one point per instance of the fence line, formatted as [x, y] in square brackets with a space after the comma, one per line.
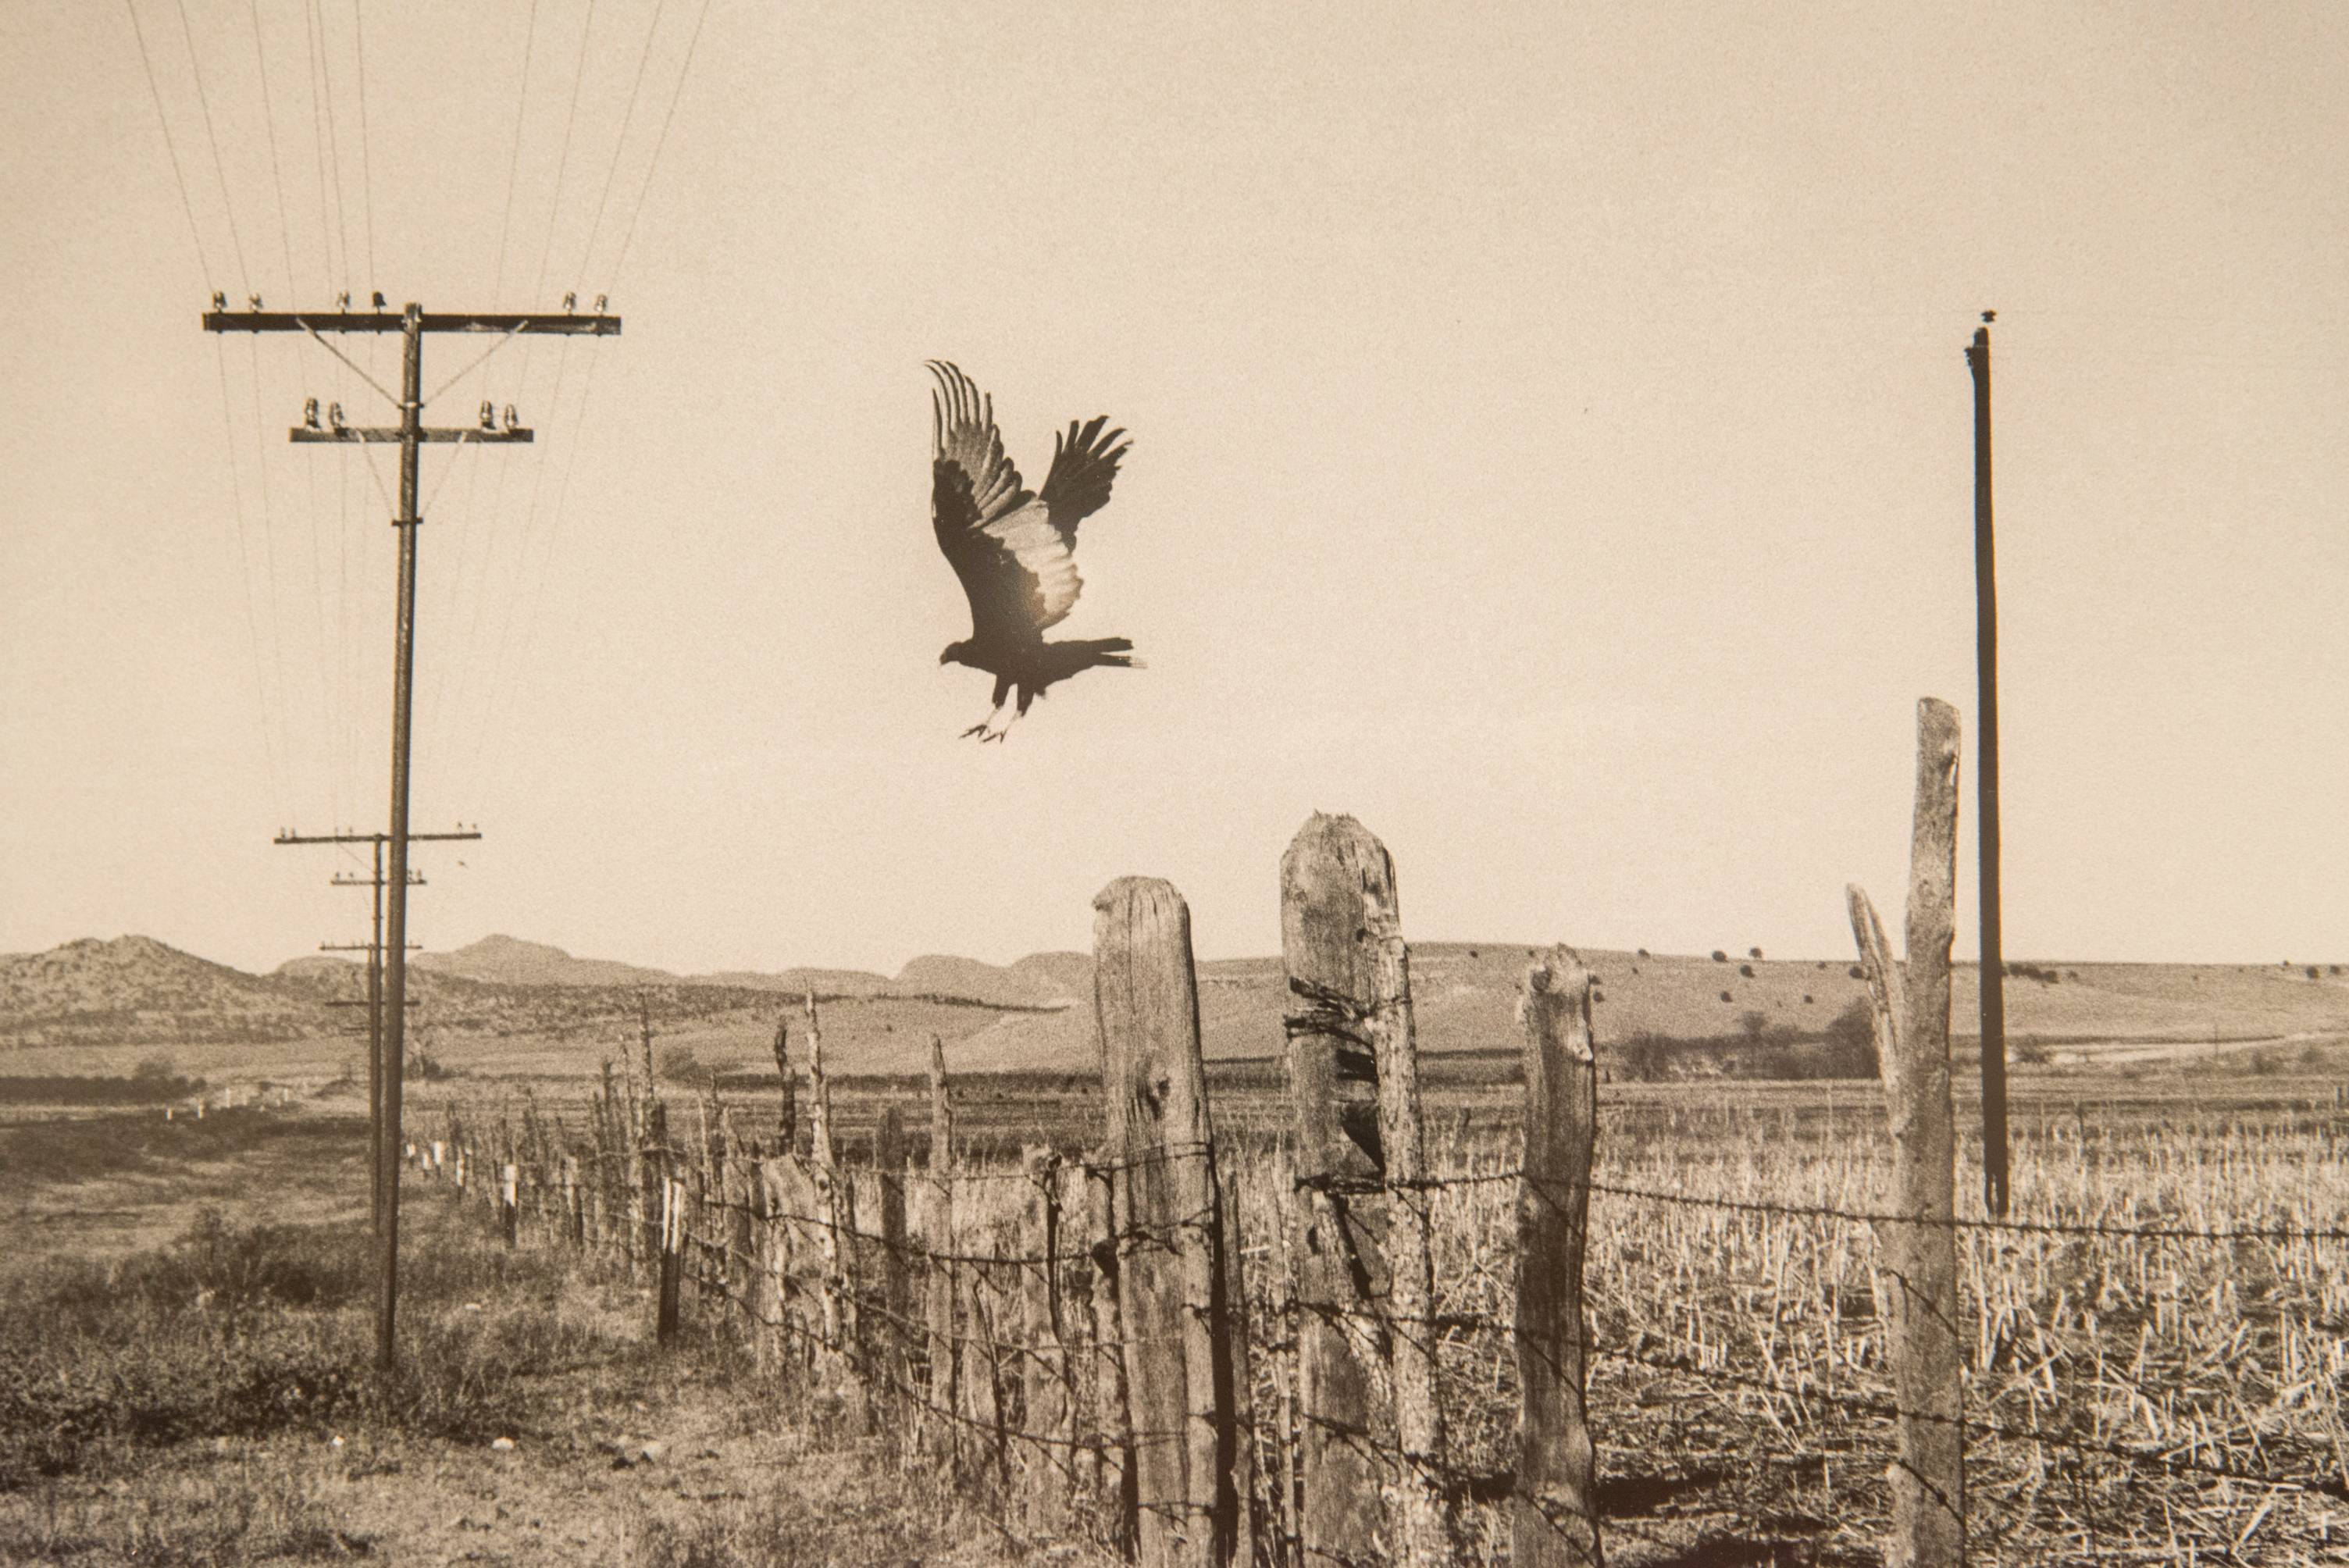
[1072, 1336]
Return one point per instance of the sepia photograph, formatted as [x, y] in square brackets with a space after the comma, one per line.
[1213, 786]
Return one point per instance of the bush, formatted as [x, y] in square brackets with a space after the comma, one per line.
[1753, 952]
[1645, 1057]
[1746, 970]
[1850, 1043]
[1754, 1020]
[1719, 956]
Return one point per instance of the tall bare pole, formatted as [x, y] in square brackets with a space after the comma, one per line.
[373, 948]
[1994, 965]
[412, 322]
[395, 977]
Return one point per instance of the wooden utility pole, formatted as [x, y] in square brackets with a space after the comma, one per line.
[411, 436]
[1993, 964]
[374, 949]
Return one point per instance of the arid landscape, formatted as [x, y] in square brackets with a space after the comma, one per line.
[188, 1379]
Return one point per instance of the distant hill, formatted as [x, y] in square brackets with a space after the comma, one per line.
[1038, 1012]
[136, 990]
[508, 960]
[1039, 980]
[799, 982]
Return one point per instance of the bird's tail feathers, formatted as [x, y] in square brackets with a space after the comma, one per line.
[1090, 653]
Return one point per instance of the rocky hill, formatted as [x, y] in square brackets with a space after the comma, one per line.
[136, 990]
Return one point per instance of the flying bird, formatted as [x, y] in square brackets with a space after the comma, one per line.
[1014, 550]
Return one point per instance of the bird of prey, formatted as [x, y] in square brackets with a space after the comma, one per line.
[1013, 550]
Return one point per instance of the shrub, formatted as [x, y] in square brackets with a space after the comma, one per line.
[1753, 952]
[682, 1067]
[1851, 1042]
[1727, 997]
[1719, 956]
[2313, 972]
[1746, 970]
[1754, 1020]
[1644, 953]
[1645, 1057]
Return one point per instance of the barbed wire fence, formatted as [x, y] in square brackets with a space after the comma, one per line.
[1328, 1348]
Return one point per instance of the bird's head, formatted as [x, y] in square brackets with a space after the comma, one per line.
[956, 653]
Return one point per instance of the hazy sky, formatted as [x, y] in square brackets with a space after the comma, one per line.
[1551, 444]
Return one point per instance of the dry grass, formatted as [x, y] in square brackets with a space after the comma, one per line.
[1741, 1392]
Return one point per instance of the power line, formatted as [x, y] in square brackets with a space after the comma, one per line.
[269, 118]
[179, 176]
[629, 236]
[644, 58]
[366, 167]
[204, 101]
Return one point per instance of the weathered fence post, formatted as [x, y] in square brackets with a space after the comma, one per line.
[1238, 1395]
[788, 1109]
[1185, 1444]
[834, 1219]
[1920, 1251]
[1554, 1514]
[1044, 1376]
[937, 1241]
[1113, 1470]
[574, 1210]
[509, 1203]
[980, 1400]
[668, 1206]
[1333, 965]
[896, 1291]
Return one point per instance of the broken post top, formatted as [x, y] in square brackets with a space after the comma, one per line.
[1338, 906]
[1347, 1018]
[1146, 1001]
[1557, 982]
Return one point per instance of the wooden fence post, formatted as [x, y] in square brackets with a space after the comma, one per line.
[1553, 1514]
[667, 1207]
[896, 1289]
[1237, 1394]
[787, 1110]
[1113, 1477]
[574, 1211]
[980, 1398]
[1185, 1444]
[509, 1203]
[1044, 1373]
[1920, 1251]
[1334, 1012]
[937, 1241]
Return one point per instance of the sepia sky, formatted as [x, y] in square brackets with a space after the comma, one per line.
[1551, 444]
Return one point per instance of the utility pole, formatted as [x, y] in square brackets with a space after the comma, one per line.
[1994, 965]
[375, 985]
[409, 435]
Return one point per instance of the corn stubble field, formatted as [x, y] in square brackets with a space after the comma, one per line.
[179, 1403]
[2172, 1397]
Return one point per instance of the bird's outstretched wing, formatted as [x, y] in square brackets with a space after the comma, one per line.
[1084, 463]
[1014, 564]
